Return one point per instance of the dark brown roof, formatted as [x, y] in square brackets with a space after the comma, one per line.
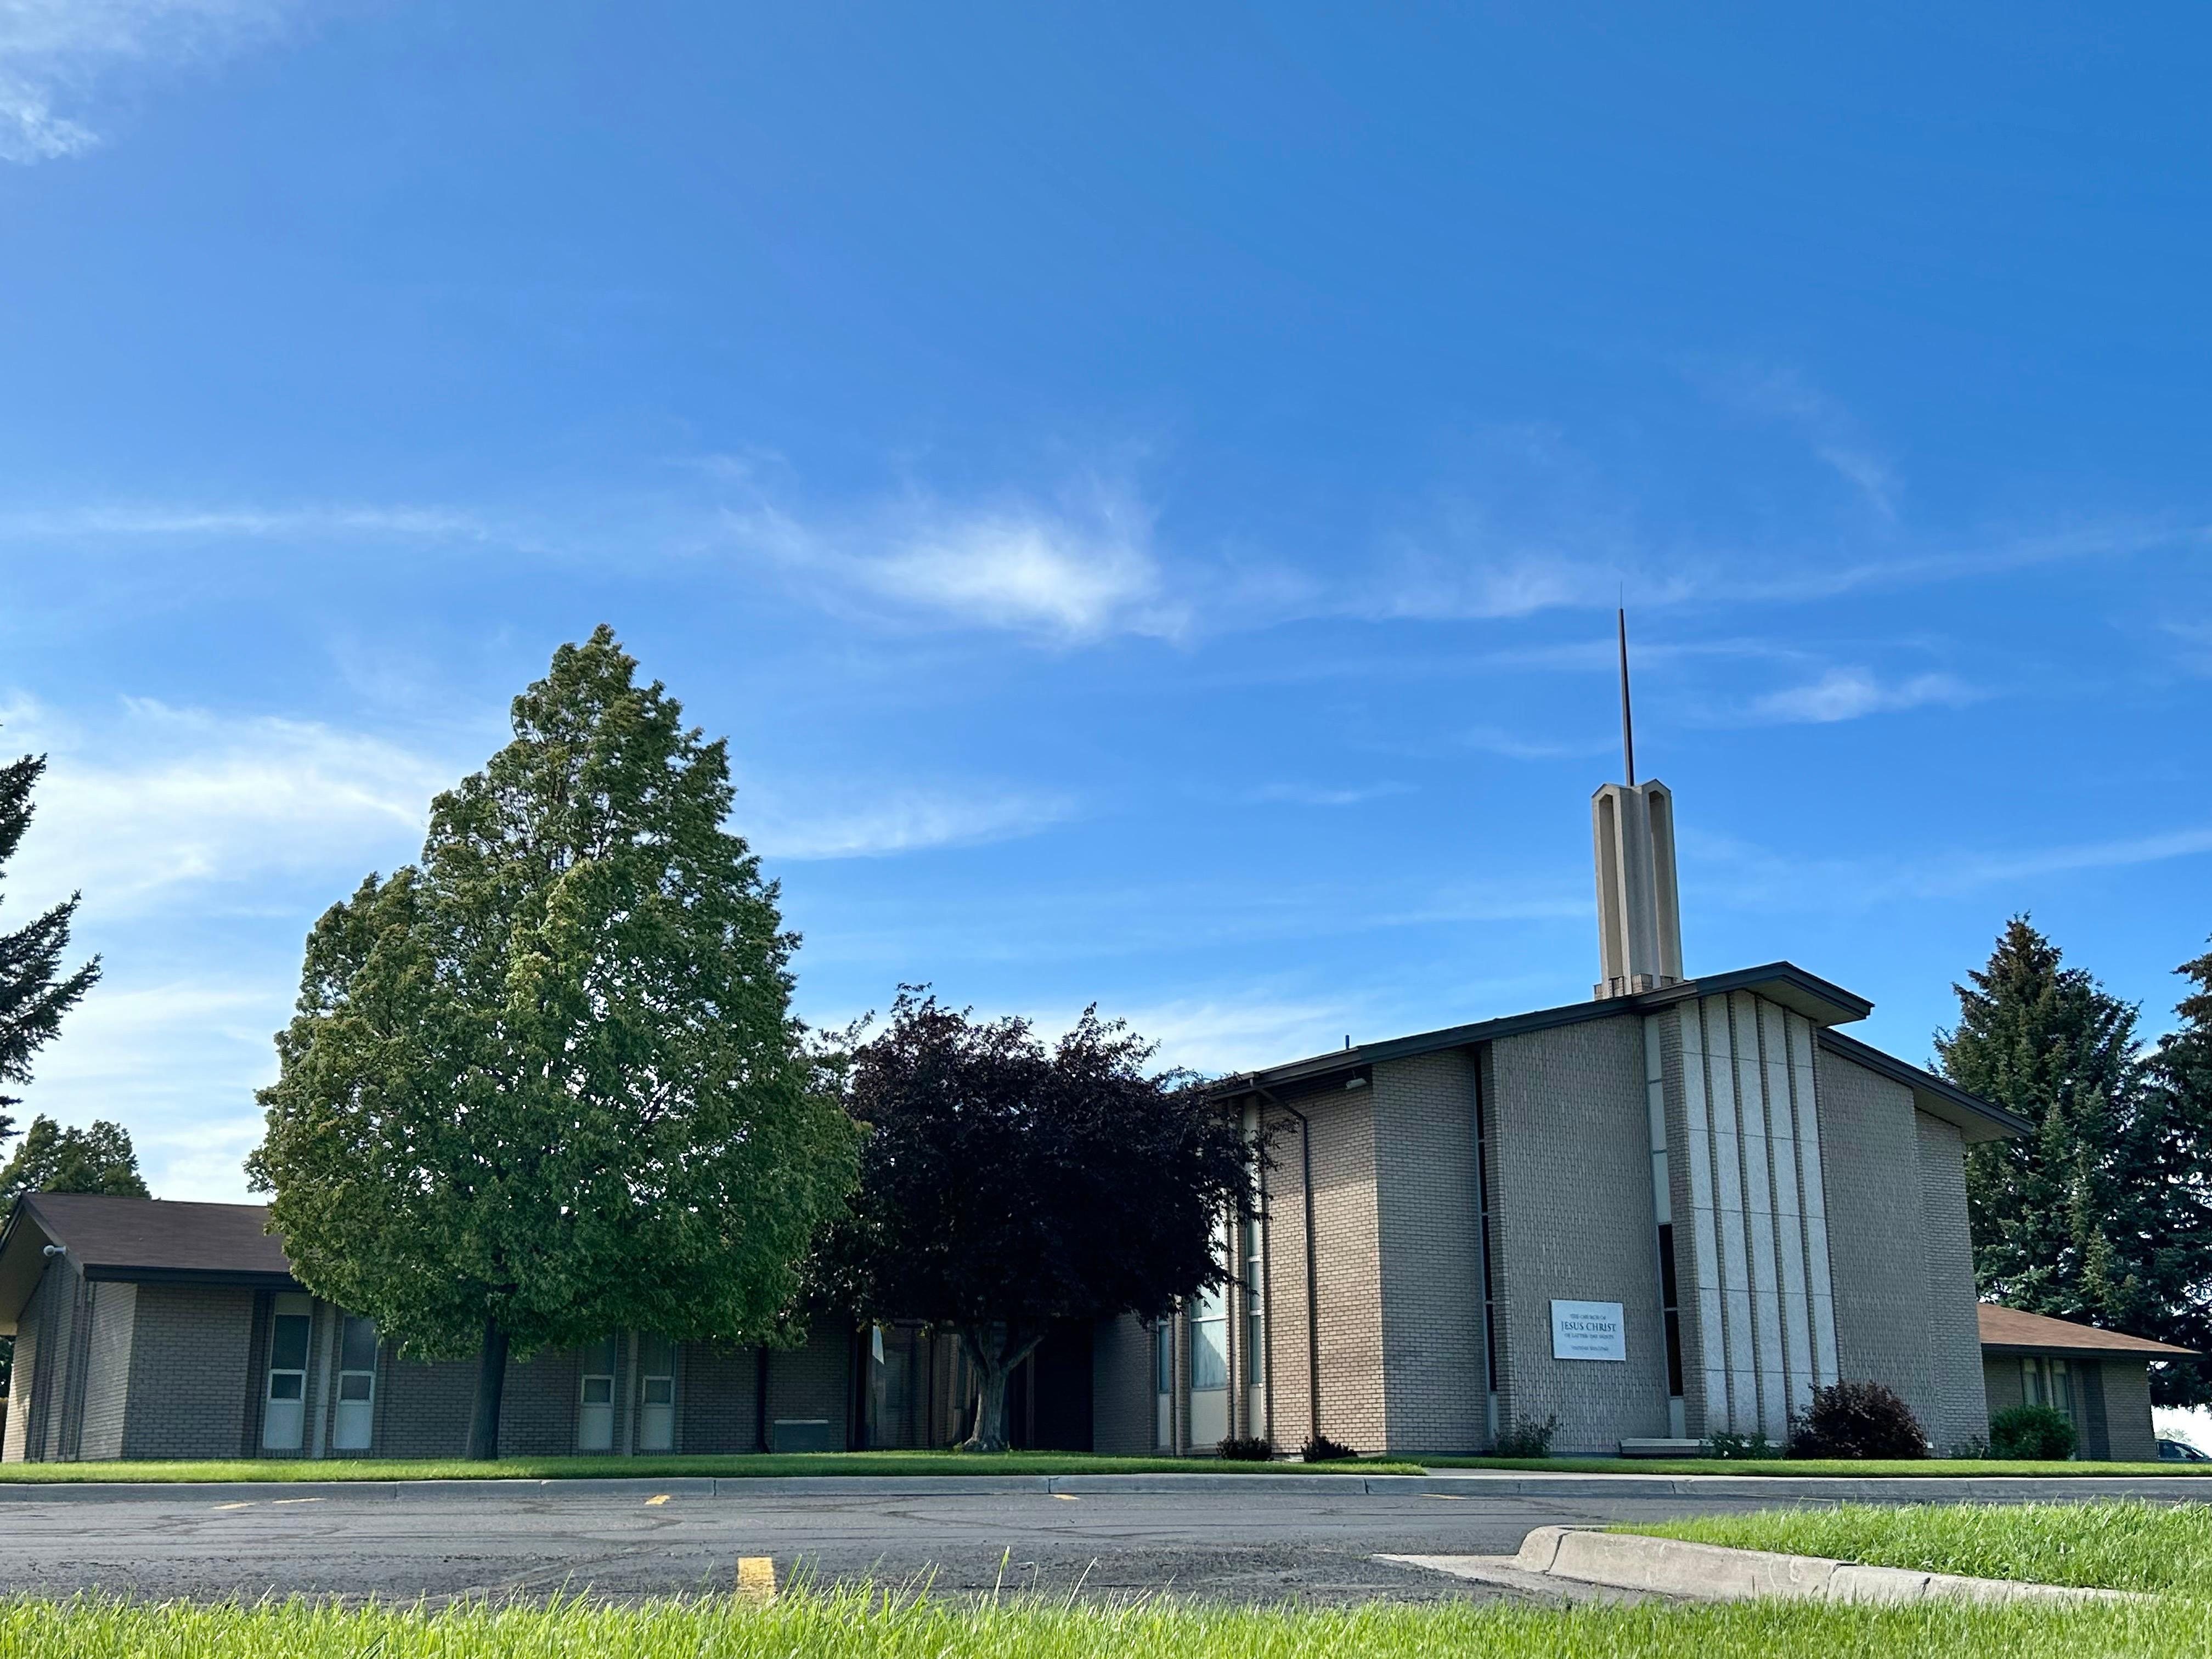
[2009, 1327]
[148, 1240]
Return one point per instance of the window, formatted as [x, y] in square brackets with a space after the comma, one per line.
[656, 1393]
[1256, 1305]
[2047, 1382]
[595, 1401]
[284, 1402]
[1163, 1381]
[1209, 1339]
[356, 1385]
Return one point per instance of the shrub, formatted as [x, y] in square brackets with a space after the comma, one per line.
[1527, 1437]
[1247, 1448]
[1755, 1445]
[1857, 1419]
[1322, 1449]
[2031, 1432]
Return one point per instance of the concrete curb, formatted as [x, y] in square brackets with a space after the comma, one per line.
[1890, 1489]
[1711, 1572]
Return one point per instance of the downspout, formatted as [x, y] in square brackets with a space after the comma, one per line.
[1313, 1277]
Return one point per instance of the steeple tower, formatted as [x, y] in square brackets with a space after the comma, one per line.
[1639, 919]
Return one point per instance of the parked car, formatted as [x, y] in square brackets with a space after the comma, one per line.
[2180, 1451]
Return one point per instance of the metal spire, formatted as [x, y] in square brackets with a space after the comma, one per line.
[1627, 726]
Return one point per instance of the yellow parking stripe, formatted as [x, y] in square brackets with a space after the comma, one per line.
[658, 1498]
[756, 1578]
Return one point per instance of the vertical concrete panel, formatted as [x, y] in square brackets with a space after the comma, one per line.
[1820, 1285]
[1759, 1215]
[1705, 1342]
[1728, 1193]
[1789, 1220]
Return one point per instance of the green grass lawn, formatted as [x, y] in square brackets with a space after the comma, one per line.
[838, 1625]
[2113, 1545]
[756, 1465]
[1927, 1468]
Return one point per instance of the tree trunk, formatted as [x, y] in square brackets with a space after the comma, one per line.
[990, 1435]
[491, 1383]
[996, 1350]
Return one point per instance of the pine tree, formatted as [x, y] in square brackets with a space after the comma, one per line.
[2063, 1220]
[52, 1159]
[34, 993]
[546, 1085]
[2176, 1162]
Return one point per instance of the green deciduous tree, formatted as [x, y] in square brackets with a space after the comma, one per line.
[546, 1084]
[1005, 1186]
[34, 992]
[53, 1159]
[2098, 1214]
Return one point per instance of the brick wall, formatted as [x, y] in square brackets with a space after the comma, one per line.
[30, 1378]
[1122, 1403]
[2001, 1383]
[107, 1380]
[1573, 1219]
[191, 1365]
[1429, 1230]
[719, 1411]
[1877, 1238]
[2127, 1410]
[815, 1381]
[1347, 1249]
[1959, 1403]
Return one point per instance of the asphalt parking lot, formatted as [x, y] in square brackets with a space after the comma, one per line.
[1313, 1540]
[1224, 1546]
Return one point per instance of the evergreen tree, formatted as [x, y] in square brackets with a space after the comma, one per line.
[2055, 1229]
[34, 993]
[546, 1085]
[52, 1159]
[2176, 1157]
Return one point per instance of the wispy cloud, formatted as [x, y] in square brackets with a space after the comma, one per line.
[1846, 693]
[140, 809]
[890, 820]
[1829, 429]
[1748, 875]
[182, 522]
[1075, 571]
[1307, 795]
[55, 54]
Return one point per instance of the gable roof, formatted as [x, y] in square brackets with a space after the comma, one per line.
[1826, 1005]
[147, 1240]
[2009, 1329]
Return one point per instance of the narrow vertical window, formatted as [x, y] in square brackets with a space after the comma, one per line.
[1255, 1305]
[656, 1394]
[356, 1385]
[284, 1402]
[1163, 1380]
[595, 1399]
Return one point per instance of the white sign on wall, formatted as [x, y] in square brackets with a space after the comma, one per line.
[1589, 1330]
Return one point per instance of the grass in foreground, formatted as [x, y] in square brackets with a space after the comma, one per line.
[732, 1467]
[853, 1623]
[2113, 1545]
[1925, 1468]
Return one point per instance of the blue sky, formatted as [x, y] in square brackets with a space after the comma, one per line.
[1143, 488]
